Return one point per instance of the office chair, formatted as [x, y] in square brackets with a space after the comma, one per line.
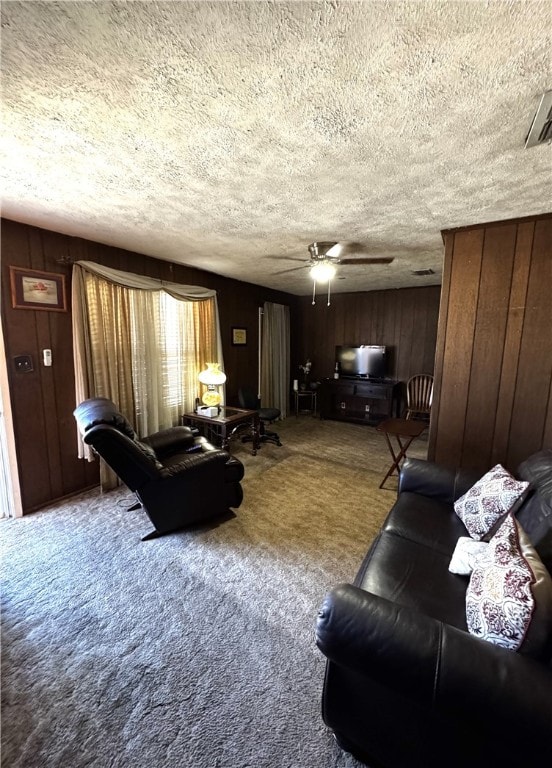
[419, 396]
[248, 399]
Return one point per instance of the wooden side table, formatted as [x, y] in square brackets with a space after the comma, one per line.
[309, 397]
[408, 430]
[222, 428]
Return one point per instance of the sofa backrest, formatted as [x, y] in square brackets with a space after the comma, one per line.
[535, 514]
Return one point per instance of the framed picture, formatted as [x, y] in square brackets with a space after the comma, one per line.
[31, 289]
[239, 337]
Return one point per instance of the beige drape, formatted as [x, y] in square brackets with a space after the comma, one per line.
[141, 342]
[275, 382]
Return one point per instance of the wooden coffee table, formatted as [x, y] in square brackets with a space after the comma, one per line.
[408, 430]
[227, 424]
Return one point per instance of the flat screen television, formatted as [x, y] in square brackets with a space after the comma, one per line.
[364, 361]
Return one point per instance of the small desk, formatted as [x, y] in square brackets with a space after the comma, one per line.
[405, 428]
[309, 396]
[222, 428]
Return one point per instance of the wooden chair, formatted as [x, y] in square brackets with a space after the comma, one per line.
[419, 396]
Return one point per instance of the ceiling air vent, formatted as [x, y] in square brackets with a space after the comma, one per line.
[421, 272]
[541, 128]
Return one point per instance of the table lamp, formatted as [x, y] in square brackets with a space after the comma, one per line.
[213, 377]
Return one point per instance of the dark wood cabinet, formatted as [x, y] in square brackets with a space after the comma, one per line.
[359, 401]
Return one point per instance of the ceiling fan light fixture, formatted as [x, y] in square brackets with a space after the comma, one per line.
[322, 249]
[322, 272]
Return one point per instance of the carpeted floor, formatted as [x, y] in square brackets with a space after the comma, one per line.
[195, 650]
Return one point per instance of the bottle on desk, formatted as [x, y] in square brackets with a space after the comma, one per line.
[336, 372]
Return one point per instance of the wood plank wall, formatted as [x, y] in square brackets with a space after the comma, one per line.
[404, 320]
[43, 400]
[494, 345]
[493, 400]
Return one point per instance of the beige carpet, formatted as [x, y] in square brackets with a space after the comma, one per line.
[195, 650]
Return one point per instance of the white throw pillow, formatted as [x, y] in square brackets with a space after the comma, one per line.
[465, 555]
[490, 498]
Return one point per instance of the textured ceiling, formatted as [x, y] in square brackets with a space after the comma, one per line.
[230, 135]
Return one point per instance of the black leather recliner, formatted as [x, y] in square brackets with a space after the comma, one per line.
[178, 478]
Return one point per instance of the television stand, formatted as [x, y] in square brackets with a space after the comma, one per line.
[360, 377]
[359, 400]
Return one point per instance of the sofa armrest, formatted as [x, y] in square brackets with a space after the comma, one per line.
[374, 637]
[171, 440]
[439, 666]
[202, 444]
[435, 480]
[194, 461]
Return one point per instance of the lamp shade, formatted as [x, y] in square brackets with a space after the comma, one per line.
[212, 375]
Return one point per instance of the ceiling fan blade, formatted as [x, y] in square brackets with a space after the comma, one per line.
[348, 247]
[293, 269]
[283, 258]
[371, 260]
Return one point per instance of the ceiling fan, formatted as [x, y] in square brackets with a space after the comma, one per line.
[324, 256]
[333, 253]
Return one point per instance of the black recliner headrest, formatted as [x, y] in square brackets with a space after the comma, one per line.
[101, 410]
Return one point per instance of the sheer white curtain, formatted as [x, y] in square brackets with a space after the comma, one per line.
[275, 357]
[164, 354]
[141, 342]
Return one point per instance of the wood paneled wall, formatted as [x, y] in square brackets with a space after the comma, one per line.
[494, 351]
[43, 400]
[493, 333]
[405, 320]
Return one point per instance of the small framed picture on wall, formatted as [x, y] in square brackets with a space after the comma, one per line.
[31, 289]
[239, 337]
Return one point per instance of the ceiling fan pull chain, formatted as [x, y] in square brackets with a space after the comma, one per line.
[329, 285]
[313, 292]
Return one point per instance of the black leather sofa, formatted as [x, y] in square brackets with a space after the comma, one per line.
[406, 685]
[179, 478]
